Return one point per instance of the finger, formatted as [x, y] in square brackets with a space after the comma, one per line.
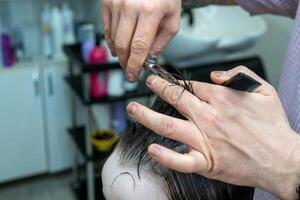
[116, 7]
[167, 31]
[142, 40]
[170, 127]
[106, 17]
[204, 91]
[192, 162]
[221, 77]
[124, 35]
[181, 99]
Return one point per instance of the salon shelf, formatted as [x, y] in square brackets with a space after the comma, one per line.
[78, 136]
[76, 83]
[202, 72]
[73, 53]
[80, 189]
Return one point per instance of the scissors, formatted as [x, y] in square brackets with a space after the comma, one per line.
[152, 65]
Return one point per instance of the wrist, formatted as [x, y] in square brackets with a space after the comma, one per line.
[296, 163]
[284, 178]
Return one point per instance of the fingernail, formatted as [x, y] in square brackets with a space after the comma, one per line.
[219, 73]
[130, 77]
[151, 80]
[131, 108]
[154, 151]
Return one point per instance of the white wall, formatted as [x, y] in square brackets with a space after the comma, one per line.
[273, 45]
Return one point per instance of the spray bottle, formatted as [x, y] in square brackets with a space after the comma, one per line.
[68, 24]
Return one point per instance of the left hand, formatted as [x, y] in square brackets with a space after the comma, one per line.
[136, 28]
[237, 137]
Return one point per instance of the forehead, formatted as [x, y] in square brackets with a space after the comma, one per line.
[122, 183]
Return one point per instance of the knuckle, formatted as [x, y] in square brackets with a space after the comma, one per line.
[210, 119]
[242, 69]
[221, 97]
[192, 167]
[216, 172]
[120, 46]
[116, 3]
[175, 94]
[139, 46]
[133, 65]
[233, 112]
[127, 3]
[167, 127]
[148, 8]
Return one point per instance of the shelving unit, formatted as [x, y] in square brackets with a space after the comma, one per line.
[77, 135]
[78, 80]
[76, 83]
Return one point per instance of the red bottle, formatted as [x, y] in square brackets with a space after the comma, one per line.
[98, 81]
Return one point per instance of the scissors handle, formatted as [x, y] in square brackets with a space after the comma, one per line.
[151, 65]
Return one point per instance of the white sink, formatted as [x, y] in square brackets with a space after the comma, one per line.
[217, 31]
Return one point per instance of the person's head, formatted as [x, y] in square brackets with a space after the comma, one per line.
[130, 173]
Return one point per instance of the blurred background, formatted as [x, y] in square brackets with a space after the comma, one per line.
[63, 96]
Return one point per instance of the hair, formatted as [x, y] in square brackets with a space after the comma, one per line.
[133, 147]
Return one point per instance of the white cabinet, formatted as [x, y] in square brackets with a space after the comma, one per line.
[22, 138]
[34, 117]
[57, 117]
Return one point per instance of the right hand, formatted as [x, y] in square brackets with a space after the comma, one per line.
[236, 137]
[135, 28]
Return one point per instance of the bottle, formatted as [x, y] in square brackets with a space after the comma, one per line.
[98, 81]
[87, 46]
[46, 33]
[68, 24]
[130, 87]
[57, 32]
[8, 57]
[119, 117]
[1, 53]
[116, 83]
[84, 30]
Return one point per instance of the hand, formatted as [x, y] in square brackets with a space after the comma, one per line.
[237, 137]
[135, 28]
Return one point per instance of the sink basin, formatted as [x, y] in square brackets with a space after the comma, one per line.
[216, 32]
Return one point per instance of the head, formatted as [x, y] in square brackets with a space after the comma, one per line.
[130, 173]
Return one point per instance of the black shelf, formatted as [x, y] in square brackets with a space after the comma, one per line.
[73, 52]
[78, 136]
[202, 72]
[76, 83]
[80, 189]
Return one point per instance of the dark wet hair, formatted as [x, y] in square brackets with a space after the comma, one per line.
[178, 186]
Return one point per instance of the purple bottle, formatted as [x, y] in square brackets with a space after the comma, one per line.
[6, 50]
[119, 117]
